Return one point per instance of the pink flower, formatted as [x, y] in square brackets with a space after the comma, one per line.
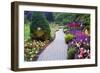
[85, 51]
[80, 56]
[81, 49]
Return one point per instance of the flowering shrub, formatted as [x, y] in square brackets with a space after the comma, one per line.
[74, 25]
[80, 42]
[83, 53]
[83, 49]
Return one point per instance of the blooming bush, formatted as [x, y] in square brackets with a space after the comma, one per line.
[74, 25]
[83, 49]
[83, 53]
[80, 42]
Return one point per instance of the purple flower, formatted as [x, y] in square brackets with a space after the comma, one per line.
[80, 36]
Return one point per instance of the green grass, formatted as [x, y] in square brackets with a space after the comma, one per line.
[27, 31]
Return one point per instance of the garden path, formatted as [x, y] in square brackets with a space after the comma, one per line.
[57, 50]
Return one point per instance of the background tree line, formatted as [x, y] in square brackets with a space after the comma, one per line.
[60, 18]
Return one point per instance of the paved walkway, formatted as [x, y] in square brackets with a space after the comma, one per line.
[57, 50]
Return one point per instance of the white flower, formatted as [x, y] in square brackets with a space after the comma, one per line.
[38, 28]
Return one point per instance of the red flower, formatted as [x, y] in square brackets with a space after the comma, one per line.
[73, 24]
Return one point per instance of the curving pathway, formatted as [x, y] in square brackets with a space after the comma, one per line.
[57, 50]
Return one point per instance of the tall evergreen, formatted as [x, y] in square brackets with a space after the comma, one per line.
[39, 28]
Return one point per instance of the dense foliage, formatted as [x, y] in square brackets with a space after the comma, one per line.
[39, 28]
[49, 16]
[71, 52]
[65, 18]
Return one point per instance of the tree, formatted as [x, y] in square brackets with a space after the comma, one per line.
[27, 16]
[64, 18]
[39, 28]
[49, 16]
[83, 18]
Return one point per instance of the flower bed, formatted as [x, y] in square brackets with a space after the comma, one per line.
[34, 48]
[79, 46]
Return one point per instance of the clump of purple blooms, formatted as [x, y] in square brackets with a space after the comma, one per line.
[81, 43]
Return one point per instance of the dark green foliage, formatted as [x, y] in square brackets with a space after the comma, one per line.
[27, 16]
[83, 18]
[49, 16]
[39, 21]
[71, 52]
[64, 18]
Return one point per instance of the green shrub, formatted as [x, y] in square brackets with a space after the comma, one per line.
[68, 37]
[71, 52]
[39, 28]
